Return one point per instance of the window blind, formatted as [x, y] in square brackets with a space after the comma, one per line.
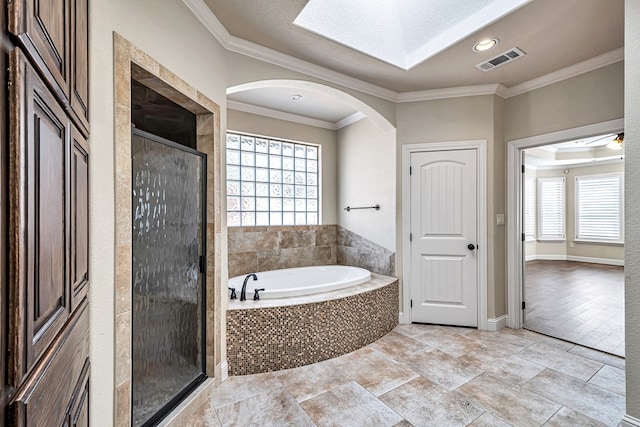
[529, 209]
[551, 209]
[599, 207]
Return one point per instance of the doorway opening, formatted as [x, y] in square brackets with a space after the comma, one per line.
[567, 248]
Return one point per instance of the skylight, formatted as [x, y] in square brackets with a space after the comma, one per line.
[403, 33]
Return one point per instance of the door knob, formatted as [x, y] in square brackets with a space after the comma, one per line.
[471, 246]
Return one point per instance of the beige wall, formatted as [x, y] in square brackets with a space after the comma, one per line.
[580, 249]
[632, 205]
[326, 138]
[589, 98]
[170, 33]
[462, 119]
[366, 172]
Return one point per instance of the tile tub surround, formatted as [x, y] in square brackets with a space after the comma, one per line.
[271, 335]
[253, 249]
[353, 249]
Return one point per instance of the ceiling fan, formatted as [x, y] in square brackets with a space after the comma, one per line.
[615, 144]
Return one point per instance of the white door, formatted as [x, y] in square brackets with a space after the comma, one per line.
[444, 264]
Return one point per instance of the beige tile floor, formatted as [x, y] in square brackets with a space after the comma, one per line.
[426, 375]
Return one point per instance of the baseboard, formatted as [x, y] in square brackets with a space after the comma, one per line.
[591, 260]
[224, 370]
[402, 319]
[550, 257]
[497, 323]
[607, 261]
[629, 421]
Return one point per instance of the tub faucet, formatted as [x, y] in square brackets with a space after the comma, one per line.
[243, 293]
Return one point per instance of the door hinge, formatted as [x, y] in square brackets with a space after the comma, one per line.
[411, 303]
[523, 305]
[523, 237]
[202, 263]
[522, 168]
[410, 170]
[411, 237]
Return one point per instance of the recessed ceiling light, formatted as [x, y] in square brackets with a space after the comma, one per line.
[485, 45]
[296, 97]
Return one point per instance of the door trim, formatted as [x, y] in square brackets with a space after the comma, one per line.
[481, 150]
[514, 211]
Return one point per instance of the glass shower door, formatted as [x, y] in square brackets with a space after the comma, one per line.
[168, 295]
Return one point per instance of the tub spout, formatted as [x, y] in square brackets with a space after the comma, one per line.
[243, 293]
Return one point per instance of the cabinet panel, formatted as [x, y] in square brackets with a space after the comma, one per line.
[53, 394]
[42, 28]
[39, 211]
[79, 407]
[79, 90]
[79, 218]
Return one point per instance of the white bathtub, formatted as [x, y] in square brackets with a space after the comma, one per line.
[291, 282]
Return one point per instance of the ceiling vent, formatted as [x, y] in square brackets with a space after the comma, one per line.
[503, 58]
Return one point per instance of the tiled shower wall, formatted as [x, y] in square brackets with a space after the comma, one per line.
[254, 249]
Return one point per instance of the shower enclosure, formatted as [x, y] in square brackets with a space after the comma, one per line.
[168, 298]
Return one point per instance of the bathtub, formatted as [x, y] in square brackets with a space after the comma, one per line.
[300, 281]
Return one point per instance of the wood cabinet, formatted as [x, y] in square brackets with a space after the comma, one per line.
[44, 214]
[54, 34]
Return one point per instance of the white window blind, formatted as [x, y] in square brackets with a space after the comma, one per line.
[551, 209]
[599, 208]
[529, 209]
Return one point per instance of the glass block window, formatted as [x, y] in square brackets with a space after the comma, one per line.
[271, 182]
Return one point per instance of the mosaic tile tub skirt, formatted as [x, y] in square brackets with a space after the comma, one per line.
[271, 335]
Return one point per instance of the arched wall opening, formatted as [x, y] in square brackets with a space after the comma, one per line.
[359, 168]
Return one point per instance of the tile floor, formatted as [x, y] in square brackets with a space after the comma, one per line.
[578, 302]
[427, 375]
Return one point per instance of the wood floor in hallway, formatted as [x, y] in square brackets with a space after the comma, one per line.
[578, 302]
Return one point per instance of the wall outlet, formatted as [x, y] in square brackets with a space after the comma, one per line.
[499, 219]
[571, 244]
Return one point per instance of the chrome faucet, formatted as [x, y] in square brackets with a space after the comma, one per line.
[243, 293]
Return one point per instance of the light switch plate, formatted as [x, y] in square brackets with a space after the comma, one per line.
[499, 219]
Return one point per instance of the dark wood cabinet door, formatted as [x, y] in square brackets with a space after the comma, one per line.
[56, 392]
[42, 27]
[79, 178]
[40, 300]
[79, 88]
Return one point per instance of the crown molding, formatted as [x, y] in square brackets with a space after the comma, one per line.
[275, 114]
[262, 53]
[200, 9]
[350, 120]
[451, 92]
[568, 72]
[256, 51]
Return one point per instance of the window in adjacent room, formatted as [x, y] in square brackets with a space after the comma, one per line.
[551, 209]
[271, 182]
[599, 208]
[529, 209]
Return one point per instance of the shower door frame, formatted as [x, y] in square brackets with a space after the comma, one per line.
[168, 407]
